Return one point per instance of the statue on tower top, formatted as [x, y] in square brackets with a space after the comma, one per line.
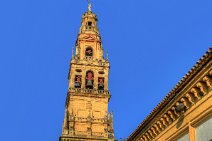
[89, 5]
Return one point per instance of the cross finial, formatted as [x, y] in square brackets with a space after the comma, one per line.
[89, 5]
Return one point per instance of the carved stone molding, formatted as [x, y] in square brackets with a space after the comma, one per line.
[196, 93]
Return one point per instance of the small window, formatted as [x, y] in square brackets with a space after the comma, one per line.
[101, 72]
[89, 23]
[78, 70]
[78, 81]
[100, 62]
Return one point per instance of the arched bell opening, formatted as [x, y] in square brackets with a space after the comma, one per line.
[100, 83]
[88, 53]
[89, 80]
[78, 81]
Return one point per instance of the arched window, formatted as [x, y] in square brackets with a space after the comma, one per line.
[100, 83]
[89, 23]
[78, 81]
[88, 52]
[89, 80]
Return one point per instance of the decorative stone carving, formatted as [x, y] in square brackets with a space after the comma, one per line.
[141, 139]
[171, 114]
[144, 137]
[160, 124]
[203, 87]
[185, 101]
[196, 93]
[180, 107]
[110, 135]
[89, 118]
[150, 133]
[166, 116]
[164, 122]
[148, 136]
[158, 129]
[89, 130]
[174, 110]
[190, 98]
[208, 81]
[106, 130]
[154, 131]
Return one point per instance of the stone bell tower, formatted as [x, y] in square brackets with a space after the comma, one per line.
[86, 111]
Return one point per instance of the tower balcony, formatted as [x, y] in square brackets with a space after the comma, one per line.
[92, 120]
[79, 91]
[89, 28]
[88, 58]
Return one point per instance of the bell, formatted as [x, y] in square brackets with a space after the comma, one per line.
[89, 83]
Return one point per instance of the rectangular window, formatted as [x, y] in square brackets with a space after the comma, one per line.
[185, 137]
[204, 131]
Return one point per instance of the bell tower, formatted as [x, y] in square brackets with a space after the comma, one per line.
[86, 109]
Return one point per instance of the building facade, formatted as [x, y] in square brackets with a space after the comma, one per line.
[185, 114]
[86, 109]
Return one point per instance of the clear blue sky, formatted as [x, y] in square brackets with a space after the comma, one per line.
[151, 43]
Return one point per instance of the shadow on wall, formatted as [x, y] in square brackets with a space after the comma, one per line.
[180, 121]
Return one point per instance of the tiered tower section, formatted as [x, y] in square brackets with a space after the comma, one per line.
[86, 112]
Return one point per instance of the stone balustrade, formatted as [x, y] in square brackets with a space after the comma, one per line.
[81, 119]
[88, 91]
[98, 134]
